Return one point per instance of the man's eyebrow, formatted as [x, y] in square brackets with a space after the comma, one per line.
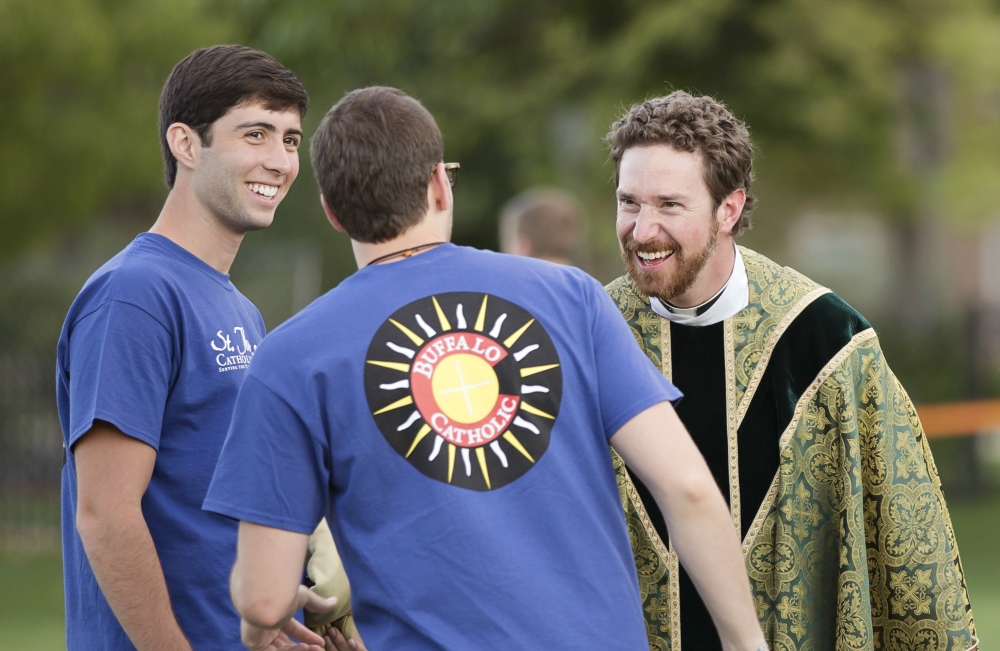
[624, 195]
[262, 125]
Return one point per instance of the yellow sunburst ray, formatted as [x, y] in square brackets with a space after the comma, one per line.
[402, 402]
[451, 460]
[396, 366]
[411, 335]
[419, 437]
[511, 340]
[531, 370]
[510, 438]
[536, 411]
[481, 319]
[445, 324]
[481, 455]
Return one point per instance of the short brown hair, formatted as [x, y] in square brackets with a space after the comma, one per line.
[689, 123]
[373, 156]
[549, 218]
[208, 82]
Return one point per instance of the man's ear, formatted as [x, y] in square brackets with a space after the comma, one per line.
[184, 143]
[330, 216]
[439, 196]
[730, 210]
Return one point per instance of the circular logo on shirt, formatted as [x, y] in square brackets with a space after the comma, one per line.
[466, 387]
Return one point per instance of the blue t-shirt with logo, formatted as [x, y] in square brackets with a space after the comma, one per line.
[157, 344]
[450, 415]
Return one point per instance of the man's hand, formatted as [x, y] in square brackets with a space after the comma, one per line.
[335, 641]
[112, 473]
[267, 593]
[258, 638]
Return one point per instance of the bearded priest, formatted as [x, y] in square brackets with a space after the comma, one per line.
[829, 477]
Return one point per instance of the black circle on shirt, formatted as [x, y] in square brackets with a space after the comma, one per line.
[466, 387]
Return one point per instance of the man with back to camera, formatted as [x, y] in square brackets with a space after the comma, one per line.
[150, 360]
[810, 436]
[449, 411]
[542, 223]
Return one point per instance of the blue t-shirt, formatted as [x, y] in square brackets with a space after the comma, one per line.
[450, 415]
[157, 344]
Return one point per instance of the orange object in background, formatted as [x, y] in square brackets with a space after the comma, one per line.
[960, 418]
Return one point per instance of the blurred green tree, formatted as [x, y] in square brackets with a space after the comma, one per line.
[78, 100]
[862, 104]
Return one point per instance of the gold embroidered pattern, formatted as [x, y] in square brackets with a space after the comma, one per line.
[656, 564]
[673, 573]
[732, 424]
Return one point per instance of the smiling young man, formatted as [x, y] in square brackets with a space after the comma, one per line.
[449, 411]
[150, 360]
[811, 438]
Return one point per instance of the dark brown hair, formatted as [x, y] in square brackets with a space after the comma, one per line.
[373, 155]
[207, 83]
[689, 123]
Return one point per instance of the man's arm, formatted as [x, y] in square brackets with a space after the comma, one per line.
[656, 446]
[113, 471]
[267, 591]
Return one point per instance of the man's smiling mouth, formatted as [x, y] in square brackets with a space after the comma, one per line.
[264, 190]
[650, 258]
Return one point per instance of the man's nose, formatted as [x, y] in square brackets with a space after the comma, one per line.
[279, 159]
[647, 226]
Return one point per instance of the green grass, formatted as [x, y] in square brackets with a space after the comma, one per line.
[31, 597]
[977, 528]
[31, 601]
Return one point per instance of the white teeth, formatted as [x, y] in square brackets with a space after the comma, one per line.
[263, 190]
[653, 256]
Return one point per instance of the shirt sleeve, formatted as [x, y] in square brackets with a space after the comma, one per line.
[272, 471]
[120, 370]
[628, 383]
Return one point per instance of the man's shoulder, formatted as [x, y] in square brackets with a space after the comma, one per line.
[129, 277]
[816, 308]
[622, 285]
[626, 296]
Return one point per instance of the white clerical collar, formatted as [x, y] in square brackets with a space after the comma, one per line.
[734, 297]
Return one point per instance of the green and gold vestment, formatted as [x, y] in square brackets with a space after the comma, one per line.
[827, 471]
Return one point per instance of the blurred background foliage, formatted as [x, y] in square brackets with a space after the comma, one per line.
[843, 97]
[876, 123]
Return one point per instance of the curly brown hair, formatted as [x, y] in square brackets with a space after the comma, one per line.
[689, 123]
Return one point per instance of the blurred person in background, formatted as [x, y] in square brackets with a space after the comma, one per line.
[457, 440]
[814, 443]
[150, 360]
[542, 223]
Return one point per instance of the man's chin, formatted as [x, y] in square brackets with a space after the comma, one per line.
[256, 220]
[650, 283]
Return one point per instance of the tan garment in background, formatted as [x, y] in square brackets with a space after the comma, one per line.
[325, 570]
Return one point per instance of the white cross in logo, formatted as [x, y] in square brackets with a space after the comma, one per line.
[463, 387]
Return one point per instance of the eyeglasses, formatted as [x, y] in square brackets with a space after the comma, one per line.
[451, 169]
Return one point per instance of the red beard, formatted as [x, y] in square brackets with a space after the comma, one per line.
[662, 284]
